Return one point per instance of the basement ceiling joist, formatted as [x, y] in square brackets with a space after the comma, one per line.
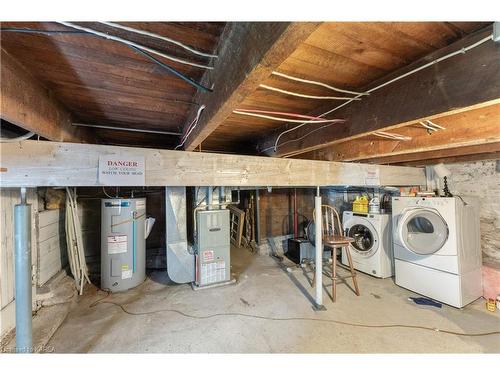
[250, 53]
[479, 127]
[104, 82]
[38, 163]
[25, 102]
[463, 82]
[347, 55]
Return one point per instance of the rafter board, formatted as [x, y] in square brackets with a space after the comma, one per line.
[38, 163]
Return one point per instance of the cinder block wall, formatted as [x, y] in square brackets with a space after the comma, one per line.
[481, 179]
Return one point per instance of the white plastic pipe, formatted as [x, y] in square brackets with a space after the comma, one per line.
[319, 250]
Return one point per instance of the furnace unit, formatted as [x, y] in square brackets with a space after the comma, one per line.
[213, 247]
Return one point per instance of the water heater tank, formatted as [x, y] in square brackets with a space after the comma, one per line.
[123, 243]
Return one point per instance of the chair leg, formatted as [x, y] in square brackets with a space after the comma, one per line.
[334, 274]
[313, 283]
[353, 273]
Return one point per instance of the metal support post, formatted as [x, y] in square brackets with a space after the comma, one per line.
[319, 252]
[22, 255]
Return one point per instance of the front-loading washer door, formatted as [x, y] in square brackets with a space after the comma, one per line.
[365, 237]
[423, 231]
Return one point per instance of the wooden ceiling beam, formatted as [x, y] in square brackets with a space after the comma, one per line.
[25, 102]
[478, 128]
[39, 163]
[460, 83]
[449, 155]
[249, 52]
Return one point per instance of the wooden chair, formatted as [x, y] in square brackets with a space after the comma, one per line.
[333, 237]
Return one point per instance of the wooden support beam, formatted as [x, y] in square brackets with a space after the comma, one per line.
[39, 163]
[250, 52]
[478, 128]
[468, 153]
[25, 102]
[460, 83]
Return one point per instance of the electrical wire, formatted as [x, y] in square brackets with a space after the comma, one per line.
[280, 113]
[300, 138]
[428, 127]
[134, 44]
[398, 137]
[35, 31]
[158, 62]
[191, 127]
[292, 93]
[172, 70]
[261, 317]
[445, 57]
[106, 194]
[435, 125]
[17, 139]
[284, 119]
[316, 83]
[157, 36]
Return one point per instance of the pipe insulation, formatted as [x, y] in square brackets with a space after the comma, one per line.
[22, 251]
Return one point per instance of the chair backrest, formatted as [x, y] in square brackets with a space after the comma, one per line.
[330, 220]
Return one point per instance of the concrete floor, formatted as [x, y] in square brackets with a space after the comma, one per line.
[265, 288]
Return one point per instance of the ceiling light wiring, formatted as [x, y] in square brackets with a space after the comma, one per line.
[292, 93]
[284, 119]
[413, 71]
[316, 83]
[191, 127]
[133, 44]
[152, 58]
[157, 36]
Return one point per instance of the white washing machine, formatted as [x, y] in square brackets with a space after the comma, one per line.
[372, 249]
[437, 247]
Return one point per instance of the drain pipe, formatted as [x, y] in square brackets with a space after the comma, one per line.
[22, 251]
[295, 215]
[319, 252]
[257, 216]
[209, 196]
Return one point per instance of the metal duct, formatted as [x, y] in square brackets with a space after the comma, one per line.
[180, 262]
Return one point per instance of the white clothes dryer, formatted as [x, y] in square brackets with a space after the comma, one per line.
[437, 248]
